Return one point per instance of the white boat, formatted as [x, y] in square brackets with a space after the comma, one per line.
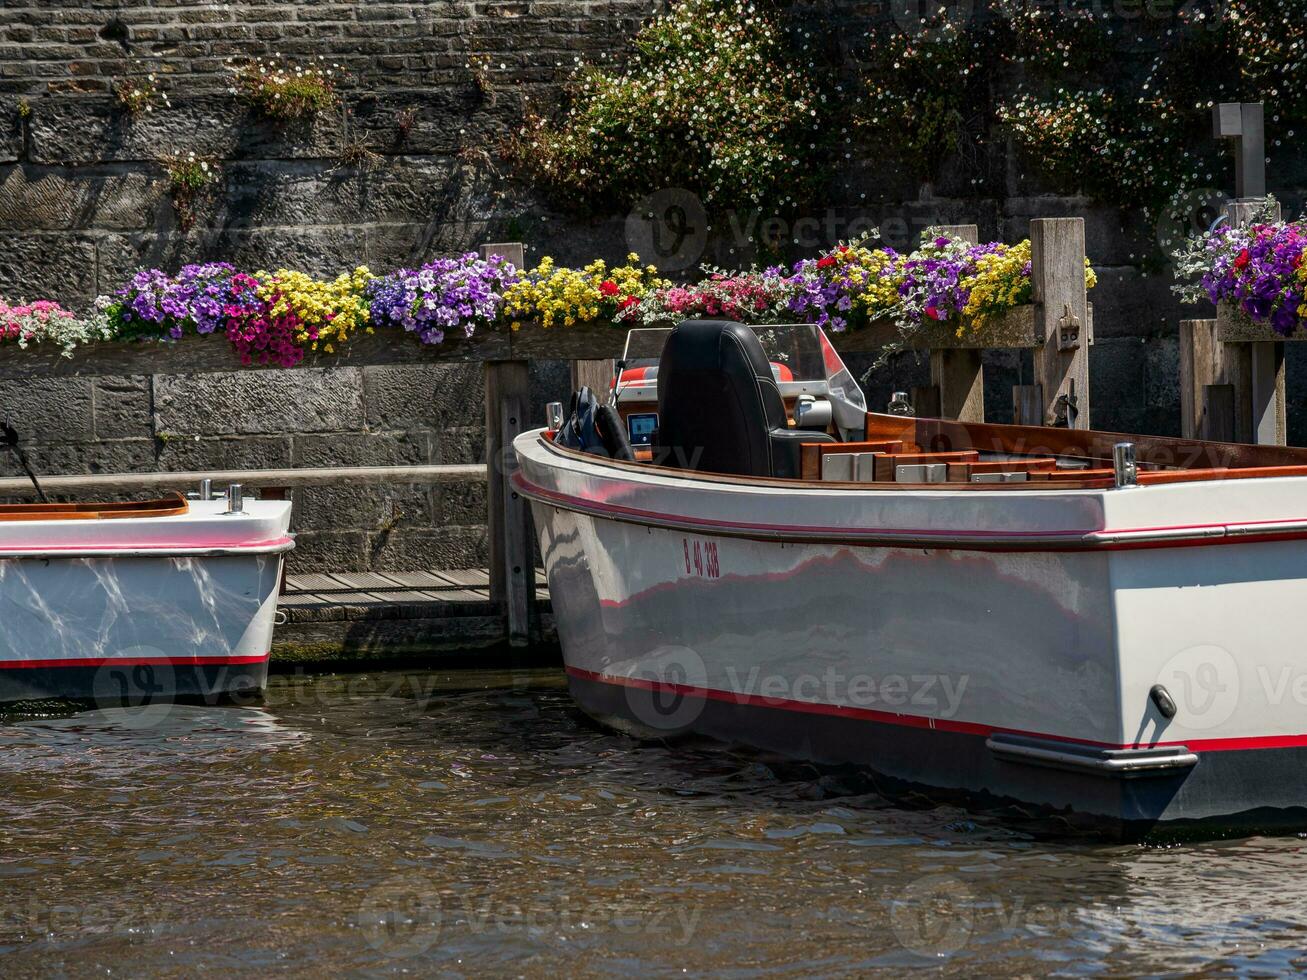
[1102, 627]
[134, 602]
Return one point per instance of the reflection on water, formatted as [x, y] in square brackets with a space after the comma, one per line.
[422, 823]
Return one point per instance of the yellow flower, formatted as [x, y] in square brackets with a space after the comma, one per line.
[329, 312]
[552, 295]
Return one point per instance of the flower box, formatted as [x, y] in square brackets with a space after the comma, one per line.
[1234, 326]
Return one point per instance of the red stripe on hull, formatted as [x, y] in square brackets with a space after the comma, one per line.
[133, 662]
[922, 722]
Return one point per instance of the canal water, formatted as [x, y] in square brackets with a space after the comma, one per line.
[424, 823]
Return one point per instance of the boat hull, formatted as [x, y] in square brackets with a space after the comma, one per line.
[1008, 670]
[134, 612]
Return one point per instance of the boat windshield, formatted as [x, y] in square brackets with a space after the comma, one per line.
[802, 358]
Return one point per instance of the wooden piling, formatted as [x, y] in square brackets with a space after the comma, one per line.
[507, 398]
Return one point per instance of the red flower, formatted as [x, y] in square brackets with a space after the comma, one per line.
[826, 263]
[628, 302]
[1243, 259]
[608, 288]
[934, 313]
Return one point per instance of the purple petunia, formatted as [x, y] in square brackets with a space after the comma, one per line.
[156, 304]
[446, 294]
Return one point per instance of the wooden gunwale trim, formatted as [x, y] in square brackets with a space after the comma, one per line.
[91, 511]
[1161, 451]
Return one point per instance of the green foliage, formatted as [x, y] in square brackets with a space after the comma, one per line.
[190, 179]
[1137, 135]
[140, 94]
[904, 103]
[711, 101]
[286, 91]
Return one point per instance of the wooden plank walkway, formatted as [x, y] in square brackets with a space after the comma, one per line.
[347, 616]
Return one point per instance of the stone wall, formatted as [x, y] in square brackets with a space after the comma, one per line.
[83, 204]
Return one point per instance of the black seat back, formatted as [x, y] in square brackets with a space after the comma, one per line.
[719, 408]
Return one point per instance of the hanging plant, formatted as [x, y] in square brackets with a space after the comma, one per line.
[190, 180]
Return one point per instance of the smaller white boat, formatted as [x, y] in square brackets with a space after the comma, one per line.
[140, 601]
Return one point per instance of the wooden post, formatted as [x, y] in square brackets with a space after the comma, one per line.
[512, 570]
[958, 375]
[925, 401]
[1027, 405]
[1215, 380]
[595, 375]
[1259, 391]
[1266, 393]
[1057, 251]
[1244, 124]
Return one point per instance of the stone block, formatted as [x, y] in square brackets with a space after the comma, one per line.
[301, 193]
[448, 547]
[48, 266]
[462, 505]
[107, 456]
[193, 452]
[368, 508]
[435, 396]
[1131, 303]
[123, 408]
[95, 130]
[394, 246]
[465, 444]
[322, 252]
[363, 449]
[119, 256]
[550, 381]
[1118, 373]
[328, 551]
[48, 410]
[33, 200]
[248, 403]
[11, 130]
